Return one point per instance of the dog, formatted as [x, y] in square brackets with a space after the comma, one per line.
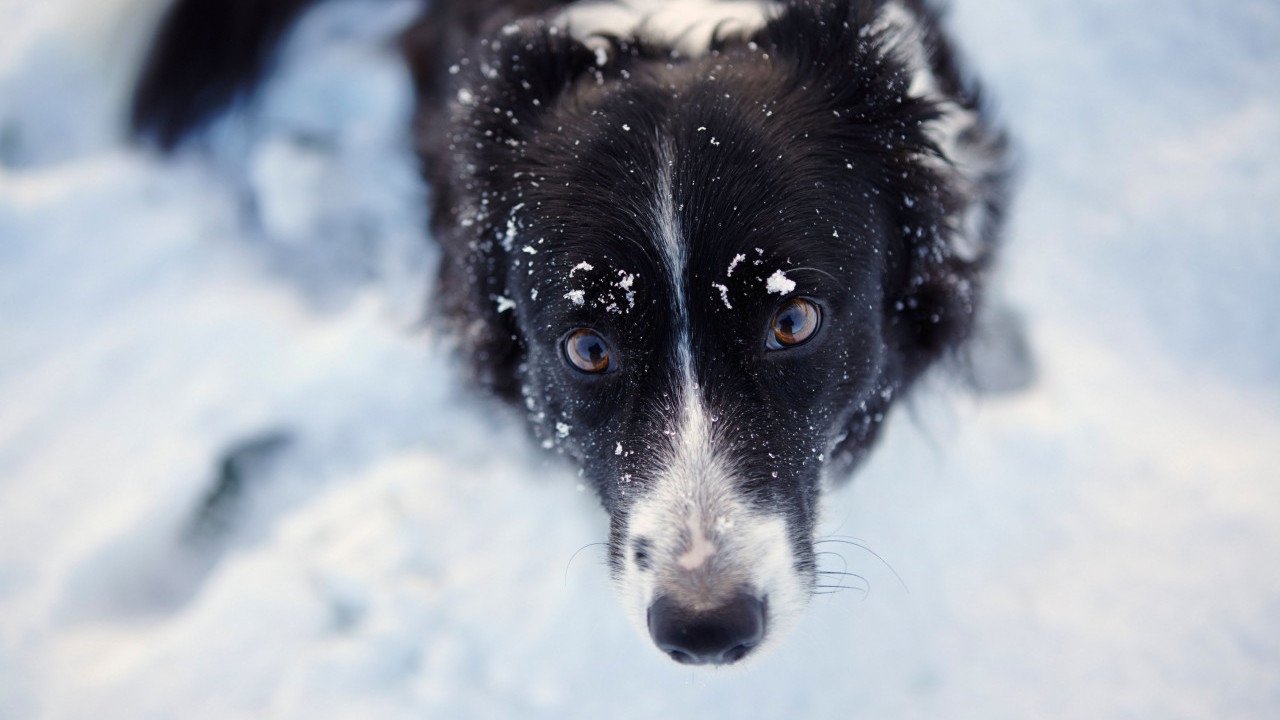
[704, 246]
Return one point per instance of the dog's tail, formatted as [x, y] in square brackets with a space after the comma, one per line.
[206, 54]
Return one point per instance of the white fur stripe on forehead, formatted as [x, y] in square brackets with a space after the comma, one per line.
[688, 26]
[668, 231]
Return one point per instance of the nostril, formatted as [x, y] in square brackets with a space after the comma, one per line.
[720, 636]
[737, 652]
[682, 657]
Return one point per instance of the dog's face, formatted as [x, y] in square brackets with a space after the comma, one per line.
[707, 280]
[696, 340]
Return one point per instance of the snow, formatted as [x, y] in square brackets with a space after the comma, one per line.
[724, 294]
[626, 283]
[1101, 545]
[779, 283]
[509, 235]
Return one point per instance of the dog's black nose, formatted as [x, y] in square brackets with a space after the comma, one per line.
[718, 637]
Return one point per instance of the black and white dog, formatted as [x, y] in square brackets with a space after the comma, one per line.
[706, 245]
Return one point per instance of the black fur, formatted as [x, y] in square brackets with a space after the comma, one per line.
[547, 95]
[207, 54]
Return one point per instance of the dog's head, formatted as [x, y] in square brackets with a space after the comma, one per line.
[708, 277]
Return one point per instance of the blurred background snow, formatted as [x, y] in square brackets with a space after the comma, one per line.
[1104, 545]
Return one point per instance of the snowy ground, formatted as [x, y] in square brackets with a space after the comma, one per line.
[1104, 545]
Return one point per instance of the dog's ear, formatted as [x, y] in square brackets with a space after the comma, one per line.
[892, 102]
[497, 97]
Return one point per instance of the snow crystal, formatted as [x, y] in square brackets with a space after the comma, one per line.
[583, 266]
[736, 259]
[509, 237]
[779, 283]
[562, 429]
[504, 303]
[578, 297]
[625, 283]
[724, 294]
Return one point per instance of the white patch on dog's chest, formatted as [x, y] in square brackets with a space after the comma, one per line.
[688, 26]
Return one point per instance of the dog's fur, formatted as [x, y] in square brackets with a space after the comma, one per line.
[667, 175]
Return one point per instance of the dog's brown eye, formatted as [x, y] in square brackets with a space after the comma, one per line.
[587, 351]
[795, 323]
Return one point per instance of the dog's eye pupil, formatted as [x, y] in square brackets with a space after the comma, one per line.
[796, 322]
[587, 351]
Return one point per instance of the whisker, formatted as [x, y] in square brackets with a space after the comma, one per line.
[854, 542]
[862, 582]
[812, 269]
[834, 589]
[861, 585]
[843, 560]
[575, 555]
